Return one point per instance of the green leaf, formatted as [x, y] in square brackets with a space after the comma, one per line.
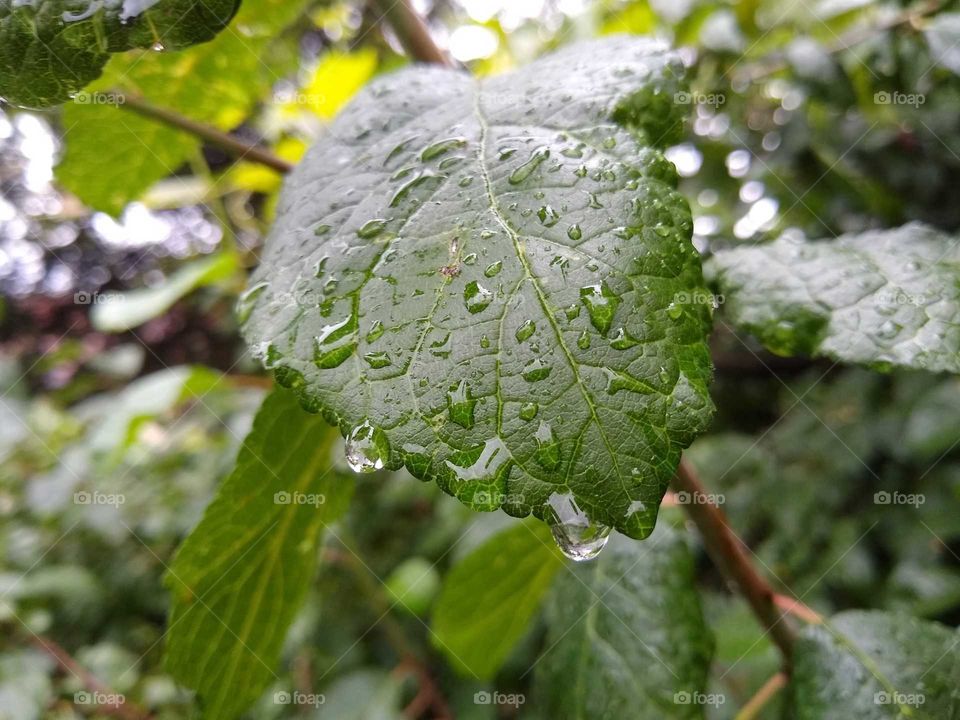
[873, 665]
[881, 298]
[242, 574]
[117, 312]
[627, 637]
[50, 49]
[490, 597]
[485, 280]
[113, 156]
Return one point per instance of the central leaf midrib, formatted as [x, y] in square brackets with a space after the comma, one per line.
[541, 298]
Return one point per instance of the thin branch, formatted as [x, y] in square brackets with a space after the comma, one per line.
[770, 688]
[731, 558]
[121, 708]
[229, 143]
[798, 609]
[411, 31]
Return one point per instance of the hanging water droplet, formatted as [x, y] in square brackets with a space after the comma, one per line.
[476, 297]
[601, 304]
[248, 299]
[574, 232]
[524, 171]
[493, 269]
[529, 410]
[536, 370]
[367, 448]
[525, 330]
[548, 447]
[461, 404]
[577, 536]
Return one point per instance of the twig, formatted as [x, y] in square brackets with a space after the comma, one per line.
[121, 708]
[428, 694]
[798, 609]
[770, 688]
[730, 557]
[411, 31]
[230, 143]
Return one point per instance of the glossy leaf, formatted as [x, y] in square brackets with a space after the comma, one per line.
[873, 665]
[513, 569]
[627, 637]
[491, 279]
[242, 574]
[52, 48]
[881, 298]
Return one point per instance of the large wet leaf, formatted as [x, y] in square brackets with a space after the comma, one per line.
[875, 665]
[50, 49]
[513, 569]
[492, 282]
[627, 637]
[882, 298]
[242, 574]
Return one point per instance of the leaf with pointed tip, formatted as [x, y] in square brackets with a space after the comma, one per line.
[882, 298]
[50, 49]
[491, 278]
[513, 569]
[626, 635]
[875, 665]
[242, 574]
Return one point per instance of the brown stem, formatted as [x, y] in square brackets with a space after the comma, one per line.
[121, 709]
[411, 31]
[730, 556]
[231, 144]
[770, 688]
[798, 609]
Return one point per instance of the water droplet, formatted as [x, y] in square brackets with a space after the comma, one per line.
[505, 152]
[529, 410]
[621, 340]
[465, 181]
[574, 232]
[536, 370]
[442, 146]
[404, 191]
[156, 47]
[548, 447]
[525, 330]
[577, 536]
[548, 216]
[493, 269]
[487, 463]
[248, 299]
[367, 448]
[486, 234]
[674, 311]
[524, 171]
[583, 342]
[376, 330]
[889, 330]
[470, 259]
[476, 297]
[372, 228]
[335, 343]
[377, 360]
[484, 342]
[572, 311]
[601, 305]
[461, 404]
[321, 230]
[441, 348]
[617, 381]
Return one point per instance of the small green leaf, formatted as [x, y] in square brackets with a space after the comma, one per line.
[240, 577]
[626, 636]
[490, 597]
[873, 665]
[49, 50]
[113, 156]
[116, 312]
[881, 298]
[422, 282]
